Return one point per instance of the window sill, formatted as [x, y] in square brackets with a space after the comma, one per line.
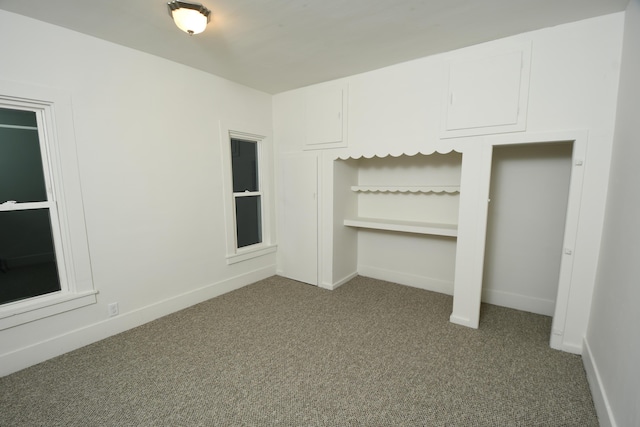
[20, 312]
[251, 253]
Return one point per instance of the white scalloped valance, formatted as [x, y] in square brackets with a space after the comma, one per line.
[406, 189]
[369, 155]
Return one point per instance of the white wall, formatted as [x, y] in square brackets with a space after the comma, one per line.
[148, 143]
[573, 87]
[613, 342]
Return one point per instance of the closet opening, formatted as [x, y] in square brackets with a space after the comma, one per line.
[527, 213]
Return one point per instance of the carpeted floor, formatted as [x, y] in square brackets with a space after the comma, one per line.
[278, 352]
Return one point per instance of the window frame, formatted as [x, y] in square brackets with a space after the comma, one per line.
[263, 157]
[64, 203]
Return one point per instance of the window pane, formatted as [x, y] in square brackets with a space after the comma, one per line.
[27, 257]
[248, 221]
[244, 155]
[21, 174]
[17, 118]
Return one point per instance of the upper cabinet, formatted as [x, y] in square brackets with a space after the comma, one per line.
[487, 92]
[326, 121]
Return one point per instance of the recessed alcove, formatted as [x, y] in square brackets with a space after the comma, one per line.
[386, 206]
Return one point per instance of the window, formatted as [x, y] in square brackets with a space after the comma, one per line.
[44, 255]
[28, 214]
[246, 170]
[246, 192]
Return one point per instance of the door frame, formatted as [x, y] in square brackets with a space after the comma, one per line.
[473, 227]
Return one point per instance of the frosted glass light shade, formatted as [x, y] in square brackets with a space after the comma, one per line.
[191, 18]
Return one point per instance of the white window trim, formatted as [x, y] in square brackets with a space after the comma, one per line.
[264, 152]
[55, 127]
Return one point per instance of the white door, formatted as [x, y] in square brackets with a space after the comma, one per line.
[298, 224]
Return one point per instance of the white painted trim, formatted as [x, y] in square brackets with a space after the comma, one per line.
[598, 393]
[55, 346]
[40, 307]
[413, 280]
[254, 252]
[463, 321]
[326, 220]
[568, 347]
[473, 222]
[565, 282]
[519, 302]
[472, 230]
[332, 286]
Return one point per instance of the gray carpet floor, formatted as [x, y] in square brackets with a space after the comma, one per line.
[278, 352]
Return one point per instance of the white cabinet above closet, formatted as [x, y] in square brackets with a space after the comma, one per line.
[411, 194]
[325, 123]
[488, 92]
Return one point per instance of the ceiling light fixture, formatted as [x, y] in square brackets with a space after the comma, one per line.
[192, 18]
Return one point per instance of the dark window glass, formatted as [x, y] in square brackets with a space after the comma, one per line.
[244, 164]
[21, 174]
[18, 118]
[248, 221]
[27, 258]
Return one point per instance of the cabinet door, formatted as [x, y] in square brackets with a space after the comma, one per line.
[325, 117]
[298, 248]
[487, 94]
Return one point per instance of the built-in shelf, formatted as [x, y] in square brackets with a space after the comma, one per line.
[450, 230]
[406, 189]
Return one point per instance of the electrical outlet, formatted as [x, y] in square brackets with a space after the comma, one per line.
[113, 309]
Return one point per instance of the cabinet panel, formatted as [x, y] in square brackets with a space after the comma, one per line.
[325, 117]
[487, 93]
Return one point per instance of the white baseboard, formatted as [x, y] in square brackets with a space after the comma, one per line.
[519, 302]
[421, 282]
[600, 400]
[58, 345]
[332, 286]
[557, 342]
[463, 321]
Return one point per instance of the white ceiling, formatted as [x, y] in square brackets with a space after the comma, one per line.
[277, 45]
